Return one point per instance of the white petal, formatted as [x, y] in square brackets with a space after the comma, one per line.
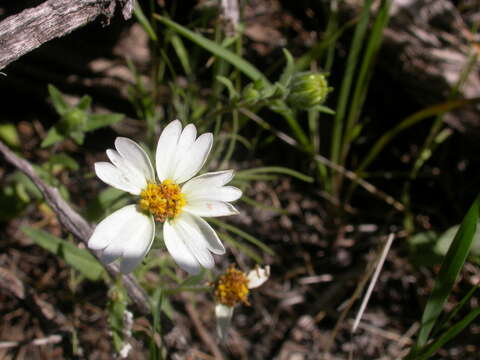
[139, 246]
[194, 240]
[179, 251]
[133, 175]
[223, 314]
[187, 138]
[208, 180]
[135, 230]
[194, 158]
[210, 208]
[224, 193]
[205, 232]
[109, 228]
[166, 150]
[124, 229]
[258, 276]
[134, 153]
[112, 176]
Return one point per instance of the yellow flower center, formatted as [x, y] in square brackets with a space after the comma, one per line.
[164, 201]
[232, 287]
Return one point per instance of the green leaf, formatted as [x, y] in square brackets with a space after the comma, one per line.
[244, 66]
[64, 160]
[8, 133]
[452, 332]
[182, 53]
[53, 136]
[117, 307]
[351, 66]
[84, 103]
[78, 137]
[96, 121]
[232, 93]
[274, 170]
[289, 69]
[57, 100]
[242, 234]
[80, 259]
[142, 19]
[451, 266]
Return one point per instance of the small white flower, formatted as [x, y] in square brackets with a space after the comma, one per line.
[128, 233]
[233, 288]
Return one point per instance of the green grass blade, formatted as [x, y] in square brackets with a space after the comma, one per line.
[242, 234]
[142, 19]
[451, 266]
[452, 332]
[365, 73]
[245, 249]
[80, 259]
[182, 53]
[352, 60]
[410, 121]
[274, 170]
[244, 66]
[455, 311]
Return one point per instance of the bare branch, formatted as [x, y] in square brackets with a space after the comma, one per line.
[24, 32]
[75, 223]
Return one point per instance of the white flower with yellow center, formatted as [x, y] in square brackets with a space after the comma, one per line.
[231, 289]
[177, 199]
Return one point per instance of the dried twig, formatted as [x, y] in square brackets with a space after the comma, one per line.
[202, 332]
[373, 281]
[75, 223]
[24, 32]
[52, 339]
[372, 189]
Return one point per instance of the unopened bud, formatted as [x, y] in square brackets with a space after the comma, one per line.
[308, 89]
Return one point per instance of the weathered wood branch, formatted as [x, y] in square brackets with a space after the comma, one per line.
[76, 224]
[26, 31]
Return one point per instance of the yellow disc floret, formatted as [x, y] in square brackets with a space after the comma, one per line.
[164, 201]
[232, 287]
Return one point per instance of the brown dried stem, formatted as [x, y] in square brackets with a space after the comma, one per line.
[76, 224]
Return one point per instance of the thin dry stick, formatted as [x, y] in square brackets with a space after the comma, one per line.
[202, 332]
[373, 281]
[76, 224]
[52, 339]
[347, 173]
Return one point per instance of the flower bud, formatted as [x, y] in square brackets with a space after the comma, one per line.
[73, 120]
[308, 89]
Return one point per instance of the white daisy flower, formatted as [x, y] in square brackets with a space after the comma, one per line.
[175, 198]
[233, 288]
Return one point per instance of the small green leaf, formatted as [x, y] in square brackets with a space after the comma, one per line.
[96, 121]
[64, 160]
[84, 103]
[78, 137]
[80, 259]
[8, 133]
[57, 100]
[232, 93]
[53, 136]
